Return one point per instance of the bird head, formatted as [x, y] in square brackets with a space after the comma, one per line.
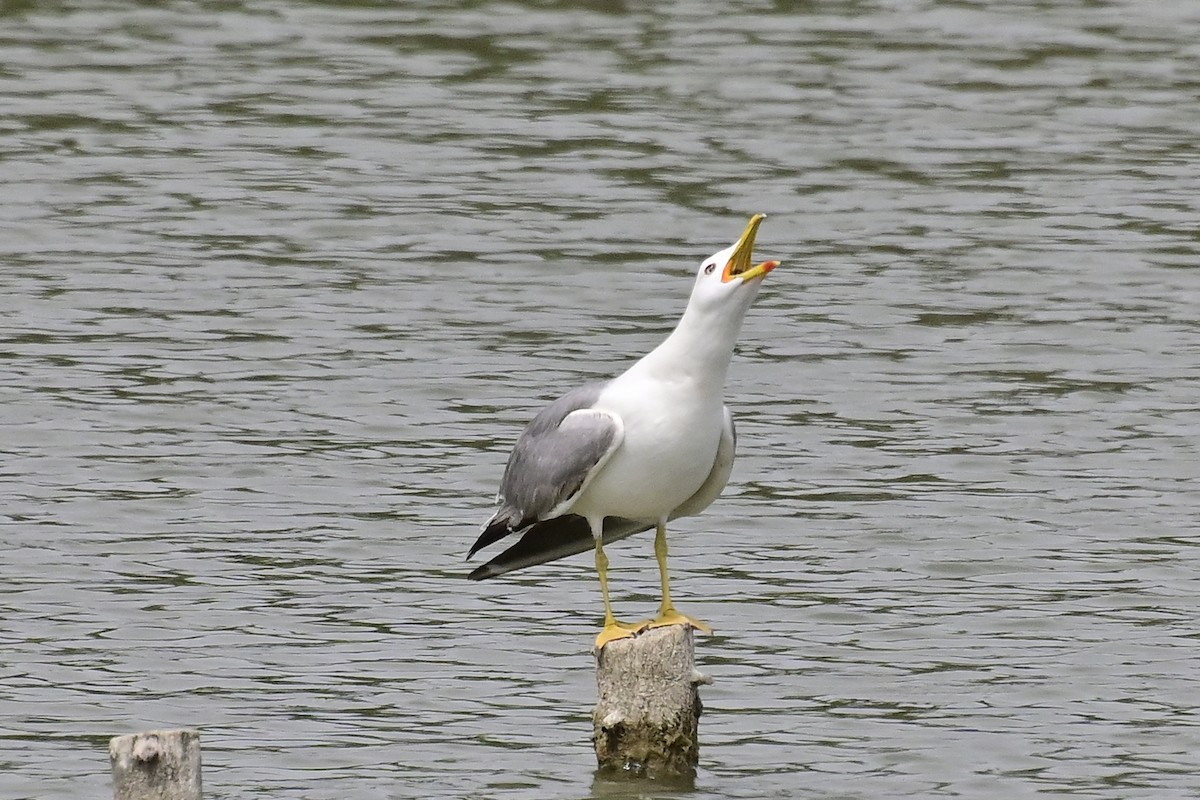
[728, 275]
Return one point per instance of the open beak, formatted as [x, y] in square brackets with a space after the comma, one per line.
[739, 263]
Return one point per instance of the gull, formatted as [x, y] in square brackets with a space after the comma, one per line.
[618, 457]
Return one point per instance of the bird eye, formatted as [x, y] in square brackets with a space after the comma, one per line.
[708, 268]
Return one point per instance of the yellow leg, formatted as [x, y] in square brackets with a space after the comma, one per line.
[667, 615]
[612, 628]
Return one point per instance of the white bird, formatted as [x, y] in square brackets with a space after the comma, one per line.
[618, 457]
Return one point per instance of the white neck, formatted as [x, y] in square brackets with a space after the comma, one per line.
[699, 349]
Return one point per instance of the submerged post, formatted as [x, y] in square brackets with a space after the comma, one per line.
[647, 720]
[156, 765]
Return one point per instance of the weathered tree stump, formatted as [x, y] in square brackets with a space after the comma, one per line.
[647, 720]
[156, 765]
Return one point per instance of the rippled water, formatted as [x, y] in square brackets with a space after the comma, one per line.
[284, 281]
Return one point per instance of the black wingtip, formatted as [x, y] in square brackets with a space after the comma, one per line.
[481, 573]
[496, 529]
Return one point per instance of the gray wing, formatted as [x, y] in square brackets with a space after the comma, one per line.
[570, 534]
[554, 459]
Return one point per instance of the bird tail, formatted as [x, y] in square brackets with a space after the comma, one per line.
[550, 540]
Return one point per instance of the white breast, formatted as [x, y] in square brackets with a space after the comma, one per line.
[672, 431]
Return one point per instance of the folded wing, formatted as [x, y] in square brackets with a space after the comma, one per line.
[566, 535]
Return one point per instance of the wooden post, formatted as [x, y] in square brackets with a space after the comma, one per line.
[156, 765]
[648, 718]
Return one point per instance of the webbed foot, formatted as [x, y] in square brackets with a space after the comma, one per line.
[669, 616]
[619, 630]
